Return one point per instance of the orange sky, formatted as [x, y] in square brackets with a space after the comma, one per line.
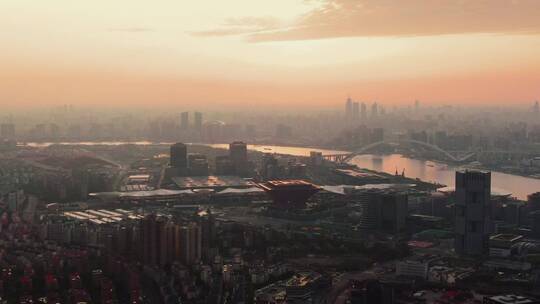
[286, 52]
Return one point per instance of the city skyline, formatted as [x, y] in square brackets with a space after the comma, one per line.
[264, 152]
[254, 53]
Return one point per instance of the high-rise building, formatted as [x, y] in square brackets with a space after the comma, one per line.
[270, 168]
[348, 108]
[208, 231]
[164, 241]
[384, 210]
[198, 164]
[179, 156]
[394, 213]
[363, 111]
[536, 107]
[473, 218]
[184, 121]
[152, 229]
[190, 243]
[213, 131]
[374, 110]
[355, 111]
[533, 202]
[224, 166]
[238, 156]
[198, 121]
[535, 223]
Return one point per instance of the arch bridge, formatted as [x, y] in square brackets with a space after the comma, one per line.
[342, 158]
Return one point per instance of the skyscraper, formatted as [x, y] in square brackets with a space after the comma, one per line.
[190, 239]
[355, 111]
[385, 210]
[152, 238]
[198, 121]
[164, 241]
[348, 108]
[473, 219]
[238, 156]
[179, 156]
[374, 110]
[363, 111]
[536, 107]
[533, 202]
[184, 121]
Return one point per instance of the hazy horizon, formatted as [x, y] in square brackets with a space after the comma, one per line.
[251, 54]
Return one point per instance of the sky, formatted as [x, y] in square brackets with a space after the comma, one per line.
[260, 53]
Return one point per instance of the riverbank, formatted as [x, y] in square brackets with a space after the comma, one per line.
[427, 171]
[475, 165]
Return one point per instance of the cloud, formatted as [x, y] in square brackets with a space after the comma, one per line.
[131, 29]
[369, 18]
[240, 26]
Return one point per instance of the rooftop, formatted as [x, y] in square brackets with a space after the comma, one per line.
[343, 189]
[101, 216]
[251, 190]
[494, 191]
[360, 174]
[288, 184]
[158, 193]
[512, 299]
[212, 181]
[473, 171]
[506, 237]
[303, 279]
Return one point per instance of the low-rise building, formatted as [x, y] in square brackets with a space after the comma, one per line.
[510, 299]
[415, 267]
[500, 245]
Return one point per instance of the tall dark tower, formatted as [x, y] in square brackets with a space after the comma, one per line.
[473, 212]
[179, 156]
[238, 156]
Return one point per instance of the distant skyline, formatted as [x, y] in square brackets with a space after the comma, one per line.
[246, 53]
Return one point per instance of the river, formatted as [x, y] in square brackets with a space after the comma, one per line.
[431, 171]
[425, 170]
[428, 171]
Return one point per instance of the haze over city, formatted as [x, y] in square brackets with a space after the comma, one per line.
[264, 53]
[270, 152]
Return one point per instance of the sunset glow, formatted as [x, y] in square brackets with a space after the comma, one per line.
[245, 52]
